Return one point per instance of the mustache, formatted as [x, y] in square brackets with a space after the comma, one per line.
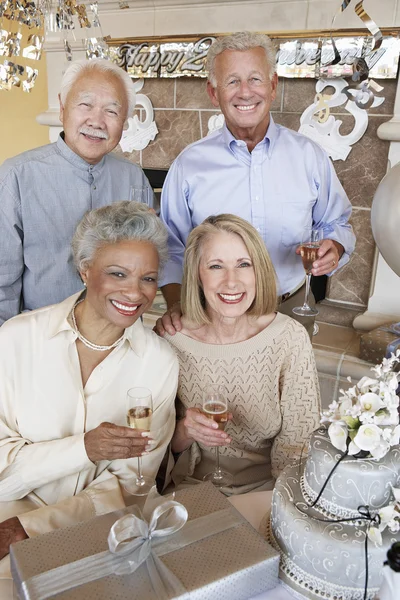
[99, 133]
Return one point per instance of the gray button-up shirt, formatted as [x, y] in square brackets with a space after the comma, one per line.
[44, 193]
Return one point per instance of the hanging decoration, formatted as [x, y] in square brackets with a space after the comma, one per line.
[21, 41]
[23, 26]
[316, 121]
[70, 16]
[361, 68]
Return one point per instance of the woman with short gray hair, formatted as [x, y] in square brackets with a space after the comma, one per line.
[65, 371]
[116, 223]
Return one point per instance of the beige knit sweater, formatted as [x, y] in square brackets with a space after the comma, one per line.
[272, 387]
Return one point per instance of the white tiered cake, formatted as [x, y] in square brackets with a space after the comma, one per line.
[321, 559]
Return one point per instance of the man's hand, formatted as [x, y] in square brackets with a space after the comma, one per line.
[170, 322]
[110, 442]
[11, 531]
[329, 254]
[199, 428]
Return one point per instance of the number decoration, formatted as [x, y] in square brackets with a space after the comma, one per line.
[317, 123]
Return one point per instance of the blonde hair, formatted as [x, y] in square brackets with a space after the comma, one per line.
[192, 296]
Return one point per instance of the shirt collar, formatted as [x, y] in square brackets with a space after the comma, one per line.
[269, 139]
[134, 335]
[59, 315]
[75, 159]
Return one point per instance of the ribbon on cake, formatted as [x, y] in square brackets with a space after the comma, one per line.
[364, 515]
[134, 539]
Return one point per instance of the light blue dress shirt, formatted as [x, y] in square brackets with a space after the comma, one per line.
[44, 193]
[284, 185]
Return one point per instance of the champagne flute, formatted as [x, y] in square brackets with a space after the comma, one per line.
[139, 407]
[310, 243]
[143, 195]
[215, 407]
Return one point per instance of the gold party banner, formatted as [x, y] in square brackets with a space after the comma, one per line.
[299, 55]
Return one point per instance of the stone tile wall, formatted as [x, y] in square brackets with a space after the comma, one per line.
[182, 110]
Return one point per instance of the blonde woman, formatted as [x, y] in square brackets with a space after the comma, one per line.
[232, 335]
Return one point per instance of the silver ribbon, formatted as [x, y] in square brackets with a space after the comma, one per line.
[361, 69]
[135, 539]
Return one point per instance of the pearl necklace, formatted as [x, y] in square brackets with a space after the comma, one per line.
[86, 342]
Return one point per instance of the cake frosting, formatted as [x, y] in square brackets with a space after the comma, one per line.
[321, 559]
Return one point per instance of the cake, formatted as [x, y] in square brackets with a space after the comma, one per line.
[321, 559]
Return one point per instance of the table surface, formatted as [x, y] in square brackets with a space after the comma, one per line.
[254, 506]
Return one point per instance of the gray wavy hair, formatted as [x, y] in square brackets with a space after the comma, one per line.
[78, 67]
[242, 41]
[115, 223]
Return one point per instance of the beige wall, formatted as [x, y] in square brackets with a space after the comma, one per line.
[18, 111]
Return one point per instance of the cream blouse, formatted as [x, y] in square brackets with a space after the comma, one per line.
[45, 412]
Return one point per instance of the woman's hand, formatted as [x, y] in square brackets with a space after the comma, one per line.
[110, 442]
[11, 531]
[196, 427]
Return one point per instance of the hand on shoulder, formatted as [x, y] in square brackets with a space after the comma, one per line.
[170, 322]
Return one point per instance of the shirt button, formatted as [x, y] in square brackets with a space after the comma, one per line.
[257, 198]
[94, 187]
[258, 229]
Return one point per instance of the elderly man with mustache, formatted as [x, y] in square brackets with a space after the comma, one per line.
[45, 192]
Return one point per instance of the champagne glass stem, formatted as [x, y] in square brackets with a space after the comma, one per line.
[139, 479]
[217, 467]
[308, 279]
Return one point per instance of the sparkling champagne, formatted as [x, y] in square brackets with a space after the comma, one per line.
[139, 417]
[217, 411]
[309, 254]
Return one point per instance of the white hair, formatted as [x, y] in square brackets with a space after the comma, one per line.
[115, 223]
[79, 67]
[241, 41]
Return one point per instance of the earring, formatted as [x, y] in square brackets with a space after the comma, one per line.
[84, 283]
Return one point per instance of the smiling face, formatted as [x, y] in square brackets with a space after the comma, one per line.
[244, 92]
[94, 115]
[121, 282]
[227, 276]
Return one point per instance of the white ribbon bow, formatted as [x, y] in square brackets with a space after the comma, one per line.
[133, 533]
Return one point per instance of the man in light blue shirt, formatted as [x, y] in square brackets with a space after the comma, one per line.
[45, 192]
[277, 179]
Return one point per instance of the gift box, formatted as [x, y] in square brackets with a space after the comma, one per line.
[130, 555]
[380, 342]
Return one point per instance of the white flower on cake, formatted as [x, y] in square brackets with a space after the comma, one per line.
[338, 434]
[366, 418]
[389, 517]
